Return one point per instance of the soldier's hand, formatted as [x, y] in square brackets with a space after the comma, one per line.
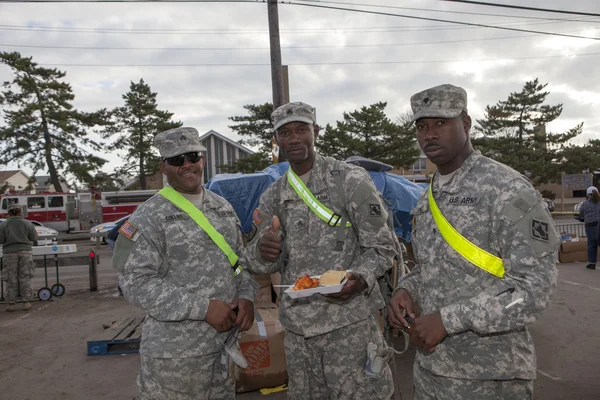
[245, 316]
[269, 244]
[353, 286]
[427, 331]
[400, 302]
[220, 315]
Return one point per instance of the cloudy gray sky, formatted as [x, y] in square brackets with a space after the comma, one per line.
[206, 60]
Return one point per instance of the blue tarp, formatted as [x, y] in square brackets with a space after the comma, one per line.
[243, 191]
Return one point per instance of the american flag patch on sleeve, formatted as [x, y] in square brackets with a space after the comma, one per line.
[128, 229]
[258, 216]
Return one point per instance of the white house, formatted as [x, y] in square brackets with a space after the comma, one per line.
[16, 180]
[220, 150]
[43, 184]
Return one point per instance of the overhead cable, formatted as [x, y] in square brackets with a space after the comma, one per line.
[481, 3]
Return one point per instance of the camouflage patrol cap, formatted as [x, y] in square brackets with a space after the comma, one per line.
[293, 112]
[178, 141]
[444, 101]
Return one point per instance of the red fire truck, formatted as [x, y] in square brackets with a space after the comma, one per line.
[72, 212]
[109, 206]
[54, 210]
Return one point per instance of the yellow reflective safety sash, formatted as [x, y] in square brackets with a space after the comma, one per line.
[315, 205]
[198, 216]
[476, 255]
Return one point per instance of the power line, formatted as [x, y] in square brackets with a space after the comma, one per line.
[238, 31]
[316, 63]
[481, 3]
[442, 11]
[439, 20]
[131, 1]
[263, 48]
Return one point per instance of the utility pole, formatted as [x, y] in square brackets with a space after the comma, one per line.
[276, 72]
[276, 68]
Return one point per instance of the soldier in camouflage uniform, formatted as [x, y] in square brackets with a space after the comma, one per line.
[469, 324]
[171, 268]
[16, 235]
[326, 336]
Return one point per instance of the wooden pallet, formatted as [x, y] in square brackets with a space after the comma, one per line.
[124, 338]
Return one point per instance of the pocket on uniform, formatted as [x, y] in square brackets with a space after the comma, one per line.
[373, 387]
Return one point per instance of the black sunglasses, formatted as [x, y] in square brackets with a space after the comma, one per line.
[177, 161]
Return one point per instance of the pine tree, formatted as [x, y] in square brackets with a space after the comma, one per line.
[514, 133]
[257, 131]
[41, 128]
[368, 132]
[135, 124]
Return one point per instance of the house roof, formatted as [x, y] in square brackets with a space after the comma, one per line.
[225, 139]
[5, 175]
[43, 181]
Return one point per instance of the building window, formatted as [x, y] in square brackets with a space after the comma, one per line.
[230, 154]
[420, 165]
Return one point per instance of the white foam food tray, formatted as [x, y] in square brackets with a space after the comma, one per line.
[298, 294]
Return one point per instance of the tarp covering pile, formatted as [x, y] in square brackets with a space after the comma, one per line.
[243, 191]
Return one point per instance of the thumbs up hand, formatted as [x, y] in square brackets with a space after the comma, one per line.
[269, 244]
[275, 224]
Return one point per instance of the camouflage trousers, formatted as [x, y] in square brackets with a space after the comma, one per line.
[17, 271]
[332, 366]
[192, 378]
[427, 386]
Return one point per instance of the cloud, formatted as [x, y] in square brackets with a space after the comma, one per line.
[360, 58]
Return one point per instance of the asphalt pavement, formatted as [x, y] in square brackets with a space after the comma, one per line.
[567, 336]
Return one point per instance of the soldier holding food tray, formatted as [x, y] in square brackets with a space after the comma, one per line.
[323, 215]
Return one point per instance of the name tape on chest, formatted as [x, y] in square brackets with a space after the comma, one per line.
[463, 200]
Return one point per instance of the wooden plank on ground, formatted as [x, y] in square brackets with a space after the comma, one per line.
[122, 336]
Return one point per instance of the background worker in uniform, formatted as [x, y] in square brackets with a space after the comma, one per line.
[326, 337]
[472, 327]
[590, 214]
[173, 269]
[16, 236]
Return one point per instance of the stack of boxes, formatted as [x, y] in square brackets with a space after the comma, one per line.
[265, 354]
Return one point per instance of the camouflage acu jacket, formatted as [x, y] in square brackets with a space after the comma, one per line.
[172, 269]
[308, 245]
[498, 210]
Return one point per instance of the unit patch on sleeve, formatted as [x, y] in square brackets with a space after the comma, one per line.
[374, 209]
[128, 229]
[539, 230]
[257, 216]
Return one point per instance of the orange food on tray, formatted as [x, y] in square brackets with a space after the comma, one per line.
[305, 282]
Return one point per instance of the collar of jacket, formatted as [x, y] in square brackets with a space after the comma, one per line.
[455, 184]
[317, 181]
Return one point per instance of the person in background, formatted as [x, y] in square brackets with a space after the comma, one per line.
[16, 235]
[589, 213]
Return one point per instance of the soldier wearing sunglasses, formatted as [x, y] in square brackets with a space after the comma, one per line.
[196, 299]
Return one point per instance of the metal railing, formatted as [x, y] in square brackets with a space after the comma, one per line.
[571, 228]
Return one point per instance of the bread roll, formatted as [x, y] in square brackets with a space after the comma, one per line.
[332, 278]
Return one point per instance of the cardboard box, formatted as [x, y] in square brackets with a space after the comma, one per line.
[263, 296]
[265, 355]
[276, 280]
[578, 245]
[573, 251]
